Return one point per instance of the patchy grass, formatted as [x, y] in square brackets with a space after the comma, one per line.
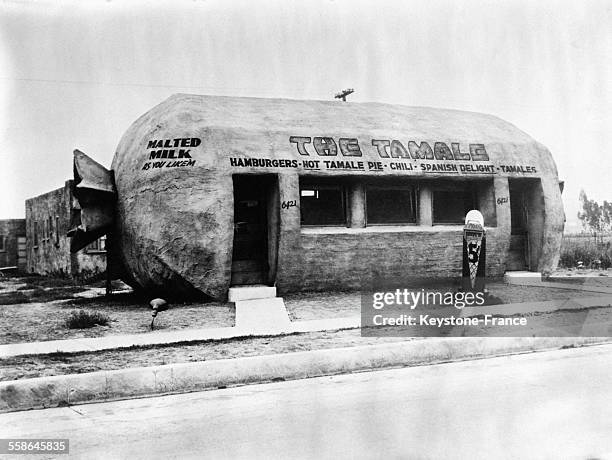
[45, 281]
[10, 298]
[83, 319]
[20, 367]
[129, 314]
[39, 294]
[37, 289]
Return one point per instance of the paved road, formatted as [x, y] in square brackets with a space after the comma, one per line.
[542, 405]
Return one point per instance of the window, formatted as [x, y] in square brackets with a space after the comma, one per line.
[451, 204]
[2, 244]
[45, 229]
[57, 231]
[35, 234]
[98, 245]
[322, 204]
[390, 204]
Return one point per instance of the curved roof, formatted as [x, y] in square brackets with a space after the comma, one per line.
[263, 128]
[345, 118]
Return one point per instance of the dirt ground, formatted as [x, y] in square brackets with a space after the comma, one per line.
[32, 322]
[309, 306]
[35, 320]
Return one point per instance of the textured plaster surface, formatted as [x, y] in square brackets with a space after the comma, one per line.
[175, 225]
[48, 253]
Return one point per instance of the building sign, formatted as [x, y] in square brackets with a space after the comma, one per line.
[348, 154]
[171, 153]
[386, 148]
[418, 157]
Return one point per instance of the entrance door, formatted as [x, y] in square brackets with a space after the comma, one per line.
[249, 258]
[518, 257]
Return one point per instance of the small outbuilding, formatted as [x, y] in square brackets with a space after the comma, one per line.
[47, 248]
[12, 245]
[314, 195]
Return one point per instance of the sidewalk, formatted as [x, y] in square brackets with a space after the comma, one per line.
[245, 328]
[169, 337]
[572, 283]
[576, 286]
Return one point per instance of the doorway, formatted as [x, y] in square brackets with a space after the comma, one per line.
[527, 223]
[518, 257]
[253, 237]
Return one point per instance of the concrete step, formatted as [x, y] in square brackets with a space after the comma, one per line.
[523, 277]
[250, 292]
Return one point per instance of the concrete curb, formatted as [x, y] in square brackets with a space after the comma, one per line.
[64, 390]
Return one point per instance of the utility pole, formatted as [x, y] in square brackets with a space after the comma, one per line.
[342, 94]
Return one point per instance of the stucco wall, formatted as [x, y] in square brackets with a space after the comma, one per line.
[349, 258]
[174, 226]
[10, 229]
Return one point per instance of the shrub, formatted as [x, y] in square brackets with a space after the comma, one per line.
[12, 298]
[83, 319]
[587, 250]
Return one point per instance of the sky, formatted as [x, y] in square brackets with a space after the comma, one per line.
[77, 74]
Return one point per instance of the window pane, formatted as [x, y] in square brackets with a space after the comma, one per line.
[391, 205]
[322, 205]
[451, 206]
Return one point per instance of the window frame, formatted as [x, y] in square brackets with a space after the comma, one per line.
[307, 183]
[95, 247]
[466, 187]
[413, 188]
[57, 231]
[35, 232]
